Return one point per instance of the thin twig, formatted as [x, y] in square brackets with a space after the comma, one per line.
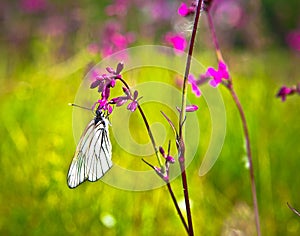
[229, 85]
[180, 141]
[214, 36]
[249, 155]
[293, 209]
[146, 124]
[172, 196]
[177, 207]
[149, 133]
[156, 153]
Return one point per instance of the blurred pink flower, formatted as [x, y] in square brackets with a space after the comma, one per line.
[54, 26]
[113, 40]
[118, 8]
[176, 40]
[218, 75]
[119, 40]
[184, 10]
[284, 91]
[293, 40]
[228, 14]
[32, 6]
[93, 48]
[157, 9]
[193, 82]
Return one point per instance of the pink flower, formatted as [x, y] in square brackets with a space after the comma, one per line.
[191, 108]
[176, 40]
[293, 40]
[132, 106]
[218, 75]
[32, 6]
[167, 157]
[193, 82]
[157, 9]
[118, 8]
[113, 40]
[105, 105]
[184, 10]
[93, 48]
[284, 91]
[106, 80]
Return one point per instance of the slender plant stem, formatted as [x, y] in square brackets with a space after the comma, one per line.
[172, 196]
[249, 155]
[293, 209]
[181, 145]
[149, 133]
[229, 85]
[177, 207]
[214, 36]
[188, 67]
[156, 153]
[146, 124]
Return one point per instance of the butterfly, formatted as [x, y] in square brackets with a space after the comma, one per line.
[92, 158]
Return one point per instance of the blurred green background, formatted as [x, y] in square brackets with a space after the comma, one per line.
[46, 47]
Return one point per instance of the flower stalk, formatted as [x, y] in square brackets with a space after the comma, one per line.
[229, 85]
[163, 170]
[180, 138]
[146, 124]
[249, 156]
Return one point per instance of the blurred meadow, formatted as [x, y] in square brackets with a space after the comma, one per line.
[48, 46]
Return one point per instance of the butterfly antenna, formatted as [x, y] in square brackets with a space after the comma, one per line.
[75, 105]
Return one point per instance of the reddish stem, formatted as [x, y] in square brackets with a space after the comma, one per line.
[177, 207]
[180, 140]
[229, 85]
[249, 155]
[156, 151]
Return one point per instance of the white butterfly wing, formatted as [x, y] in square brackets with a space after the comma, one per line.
[92, 158]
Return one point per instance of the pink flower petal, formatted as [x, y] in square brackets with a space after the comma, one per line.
[177, 41]
[183, 10]
[213, 83]
[132, 106]
[196, 90]
[191, 108]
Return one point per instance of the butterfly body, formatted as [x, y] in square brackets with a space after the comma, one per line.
[92, 158]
